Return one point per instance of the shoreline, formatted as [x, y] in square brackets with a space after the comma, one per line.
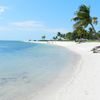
[85, 82]
[64, 77]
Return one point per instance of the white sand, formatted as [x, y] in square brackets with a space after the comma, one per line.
[85, 83]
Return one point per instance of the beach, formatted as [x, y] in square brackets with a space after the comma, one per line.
[49, 50]
[84, 84]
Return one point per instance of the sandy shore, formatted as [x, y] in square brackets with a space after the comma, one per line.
[85, 83]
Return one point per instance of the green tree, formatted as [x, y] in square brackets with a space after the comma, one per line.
[91, 34]
[55, 38]
[83, 18]
[79, 33]
[43, 37]
[59, 36]
[98, 35]
[69, 36]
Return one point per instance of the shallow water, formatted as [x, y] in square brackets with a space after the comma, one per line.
[26, 68]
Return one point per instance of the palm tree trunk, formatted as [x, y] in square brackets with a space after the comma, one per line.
[94, 31]
[93, 28]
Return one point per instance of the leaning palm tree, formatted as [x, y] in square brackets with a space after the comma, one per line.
[83, 18]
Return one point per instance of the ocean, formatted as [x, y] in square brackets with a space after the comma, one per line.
[26, 68]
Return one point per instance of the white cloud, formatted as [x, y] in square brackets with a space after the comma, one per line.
[3, 9]
[31, 26]
[27, 24]
[36, 26]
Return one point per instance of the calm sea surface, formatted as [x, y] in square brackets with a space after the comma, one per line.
[26, 68]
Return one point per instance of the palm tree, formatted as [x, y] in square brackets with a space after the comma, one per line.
[59, 35]
[43, 37]
[55, 38]
[83, 18]
[69, 36]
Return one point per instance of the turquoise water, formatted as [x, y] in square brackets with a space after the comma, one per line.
[26, 68]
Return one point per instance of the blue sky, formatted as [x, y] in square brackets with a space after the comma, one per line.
[30, 19]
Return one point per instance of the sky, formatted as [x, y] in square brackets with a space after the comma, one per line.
[31, 19]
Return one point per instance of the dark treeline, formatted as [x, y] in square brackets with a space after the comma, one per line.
[78, 34]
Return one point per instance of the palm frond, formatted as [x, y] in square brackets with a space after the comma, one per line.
[95, 20]
[76, 19]
[84, 8]
[78, 24]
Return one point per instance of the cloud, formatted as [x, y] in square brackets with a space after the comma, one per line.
[31, 26]
[36, 26]
[3, 9]
[27, 24]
